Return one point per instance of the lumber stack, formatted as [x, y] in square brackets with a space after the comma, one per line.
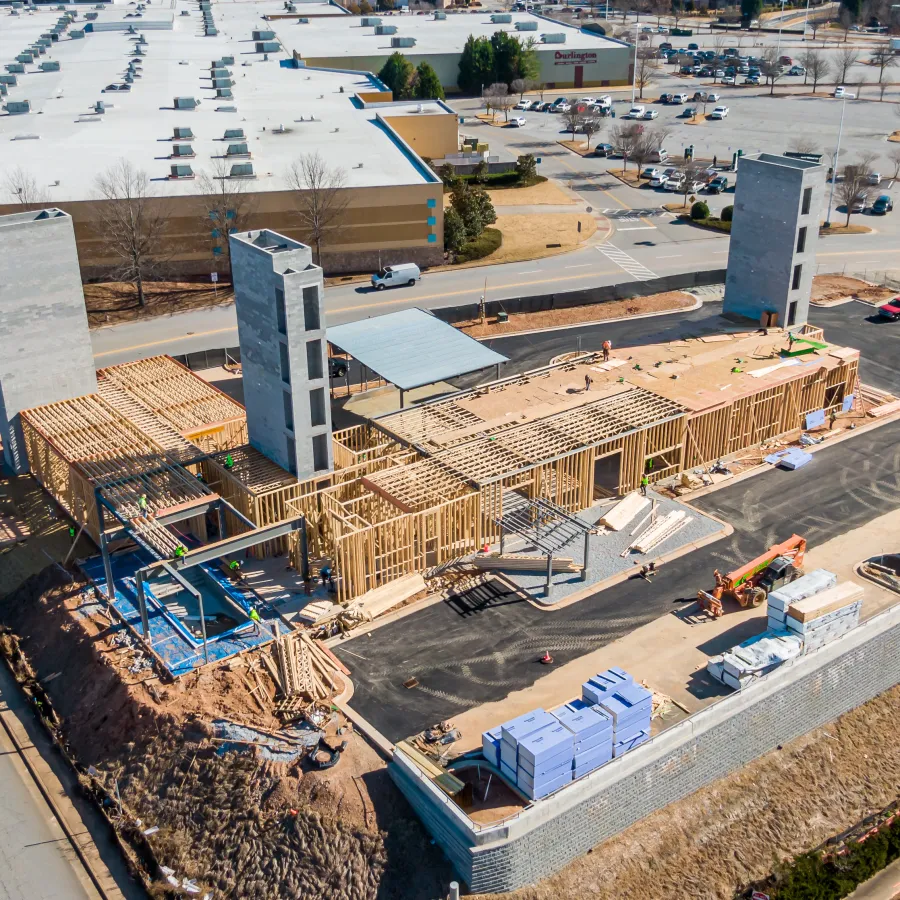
[808, 585]
[661, 530]
[302, 668]
[826, 616]
[513, 563]
[381, 599]
[624, 511]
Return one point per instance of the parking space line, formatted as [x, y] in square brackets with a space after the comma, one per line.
[638, 228]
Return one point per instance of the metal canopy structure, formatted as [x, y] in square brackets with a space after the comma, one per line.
[412, 348]
[542, 523]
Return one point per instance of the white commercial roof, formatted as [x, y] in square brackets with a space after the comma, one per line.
[284, 111]
[412, 348]
[347, 37]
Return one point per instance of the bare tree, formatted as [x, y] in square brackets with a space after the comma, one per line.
[225, 205]
[623, 138]
[803, 144]
[574, 117]
[883, 58]
[845, 20]
[22, 186]
[659, 8]
[693, 172]
[541, 89]
[844, 59]
[771, 68]
[519, 86]
[320, 198]
[497, 98]
[645, 70]
[592, 125]
[894, 157]
[815, 23]
[719, 42]
[816, 66]
[133, 224]
[854, 187]
[642, 149]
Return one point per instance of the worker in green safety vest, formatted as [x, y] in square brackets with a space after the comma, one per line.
[644, 482]
[229, 462]
[255, 619]
[143, 506]
[179, 552]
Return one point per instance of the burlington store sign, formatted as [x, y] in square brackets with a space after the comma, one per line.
[574, 58]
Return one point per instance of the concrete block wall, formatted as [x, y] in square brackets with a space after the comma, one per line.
[267, 266]
[799, 696]
[46, 354]
[768, 214]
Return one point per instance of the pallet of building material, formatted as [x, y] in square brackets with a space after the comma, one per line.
[825, 602]
[806, 586]
[509, 563]
[303, 667]
[835, 618]
[319, 611]
[877, 412]
[661, 531]
[381, 599]
[624, 511]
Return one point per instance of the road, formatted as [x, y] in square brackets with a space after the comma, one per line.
[480, 647]
[632, 225]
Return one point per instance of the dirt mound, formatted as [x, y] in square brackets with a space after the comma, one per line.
[829, 288]
[231, 821]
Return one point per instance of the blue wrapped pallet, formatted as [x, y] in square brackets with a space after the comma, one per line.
[550, 742]
[629, 703]
[624, 746]
[542, 790]
[514, 730]
[490, 745]
[585, 724]
[587, 761]
[601, 685]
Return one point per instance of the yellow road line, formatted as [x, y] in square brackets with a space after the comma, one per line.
[392, 302]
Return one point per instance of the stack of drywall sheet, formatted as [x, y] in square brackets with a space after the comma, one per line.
[791, 458]
[805, 586]
[826, 616]
[490, 745]
[624, 511]
[545, 761]
[595, 689]
[629, 707]
[754, 658]
[514, 731]
[592, 730]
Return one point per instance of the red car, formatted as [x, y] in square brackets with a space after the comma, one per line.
[891, 311]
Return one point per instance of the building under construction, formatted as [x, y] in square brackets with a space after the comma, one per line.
[416, 488]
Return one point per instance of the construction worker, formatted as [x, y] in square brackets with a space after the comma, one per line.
[644, 482]
[325, 575]
[588, 381]
[607, 348]
[143, 506]
[255, 619]
[179, 552]
[832, 418]
[229, 462]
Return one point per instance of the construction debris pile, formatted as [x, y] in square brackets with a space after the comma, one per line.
[304, 671]
[540, 752]
[802, 616]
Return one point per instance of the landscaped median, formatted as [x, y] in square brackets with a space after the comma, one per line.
[698, 214]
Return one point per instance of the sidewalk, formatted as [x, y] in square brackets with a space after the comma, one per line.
[884, 886]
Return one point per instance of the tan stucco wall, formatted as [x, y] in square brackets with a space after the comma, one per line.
[432, 136]
[386, 223]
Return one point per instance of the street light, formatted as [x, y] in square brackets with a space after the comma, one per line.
[780, 25]
[834, 163]
[634, 67]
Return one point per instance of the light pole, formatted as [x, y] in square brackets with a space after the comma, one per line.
[834, 163]
[634, 67]
[806, 20]
[780, 25]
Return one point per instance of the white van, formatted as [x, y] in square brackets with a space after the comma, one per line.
[679, 98]
[391, 276]
[636, 112]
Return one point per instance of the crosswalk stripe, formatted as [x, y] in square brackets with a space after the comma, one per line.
[628, 263]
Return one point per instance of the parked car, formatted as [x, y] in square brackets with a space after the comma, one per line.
[730, 79]
[675, 183]
[546, 107]
[693, 46]
[858, 205]
[665, 45]
[603, 150]
[696, 187]
[785, 60]
[796, 70]
[750, 79]
[651, 172]
[659, 180]
[391, 276]
[535, 105]
[679, 98]
[717, 185]
[651, 113]
[841, 93]
[337, 367]
[687, 70]
[874, 178]
[659, 156]
[882, 205]
[890, 311]
[587, 101]
[516, 121]
[688, 112]
[661, 29]
[523, 104]
[713, 97]
[636, 112]
[719, 112]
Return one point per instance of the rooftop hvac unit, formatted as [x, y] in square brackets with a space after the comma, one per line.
[77, 33]
[211, 31]
[403, 42]
[440, 16]
[4, 90]
[185, 103]
[18, 107]
[100, 107]
[222, 83]
[501, 18]
[263, 34]
[220, 73]
[232, 134]
[385, 29]
[526, 26]
[227, 61]
[182, 150]
[303, 20]
[25, 58]
[181, 171]
[369, 21]
[267, 47]
[15, 68]
[242, 170]
[182, 133]
[129, 78]
[224, 94]
[8, 79]
[555, 37]
[49, 65]
[91, 16]
[238, 150]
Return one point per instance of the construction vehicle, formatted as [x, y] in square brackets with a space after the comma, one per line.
[751, 584]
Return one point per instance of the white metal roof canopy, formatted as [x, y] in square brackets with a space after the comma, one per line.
[412, 348]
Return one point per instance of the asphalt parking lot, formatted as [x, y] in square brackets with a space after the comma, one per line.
[480, 647]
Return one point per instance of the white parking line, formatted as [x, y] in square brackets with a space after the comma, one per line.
[529, 271]
[671, 256]
[638, 228]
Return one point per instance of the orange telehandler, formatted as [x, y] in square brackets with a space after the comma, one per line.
[750, 584]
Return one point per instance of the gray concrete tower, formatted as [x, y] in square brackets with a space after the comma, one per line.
[279, 296]
[46, 354]
[772, 256]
